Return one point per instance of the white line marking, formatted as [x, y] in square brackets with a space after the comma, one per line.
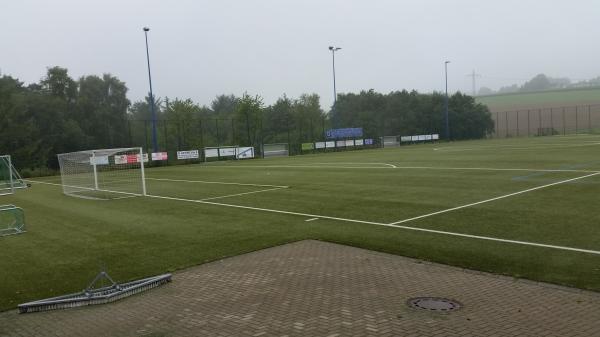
[493, 169]
[512, 147]
[312, 219]
[492, 199]
[214, 182]
[433, 231]
[238, 194]
[525, 243]
[412, 168]
[128, 194]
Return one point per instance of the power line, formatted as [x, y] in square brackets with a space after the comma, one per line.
[473, 76]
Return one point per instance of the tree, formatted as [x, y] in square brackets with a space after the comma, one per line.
[249, 112]
[539, 82]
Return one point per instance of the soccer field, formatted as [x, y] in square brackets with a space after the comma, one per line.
[521, 207]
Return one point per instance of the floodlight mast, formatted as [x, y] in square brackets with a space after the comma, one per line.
[152, 110]
[333, 50]
[446, 101]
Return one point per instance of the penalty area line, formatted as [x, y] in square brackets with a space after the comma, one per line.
[425, 230]
[417, 229]
[214, 182]
[493, 199]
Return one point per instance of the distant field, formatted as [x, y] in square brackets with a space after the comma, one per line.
[526, 207]
[547, 99]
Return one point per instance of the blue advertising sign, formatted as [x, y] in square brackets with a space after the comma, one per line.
[368, 141]
[344, 133]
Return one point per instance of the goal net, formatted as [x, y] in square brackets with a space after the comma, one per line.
[103, 174]
[12, 220]
[275, 150]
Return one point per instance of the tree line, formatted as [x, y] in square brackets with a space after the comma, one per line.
[61, 114]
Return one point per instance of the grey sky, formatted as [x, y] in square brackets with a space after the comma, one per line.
[200, 49]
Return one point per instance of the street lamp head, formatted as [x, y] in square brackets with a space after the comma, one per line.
[447, 62]
[330, 47]
[146, 29]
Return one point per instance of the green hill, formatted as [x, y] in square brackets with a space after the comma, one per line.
[541, 99]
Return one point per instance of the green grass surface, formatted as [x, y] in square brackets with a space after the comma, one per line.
[69, 239]
[552, 98]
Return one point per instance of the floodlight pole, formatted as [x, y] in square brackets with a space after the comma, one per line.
[446, 101]
[333, 50]
[154, 140]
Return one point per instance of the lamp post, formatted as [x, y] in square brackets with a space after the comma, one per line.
[446, 102]
[154, 140]
[333, 50]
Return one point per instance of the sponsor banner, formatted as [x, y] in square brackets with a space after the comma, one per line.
[406, 139]
[435, 136]
[211, 153]
[192, 154]
[101, 160]
[319, 145]
[414, 138]
[245, 152]
[359, 142]
[368, 141]
[340, 143]
[159, 156]
[421, 137]
[227, 152]
[129, 158]
[344, 133]
[330, 144]
[427, 137]
[308, 146]
[350, 142]
[121, 159]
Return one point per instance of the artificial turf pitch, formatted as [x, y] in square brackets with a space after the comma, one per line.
[543, 190]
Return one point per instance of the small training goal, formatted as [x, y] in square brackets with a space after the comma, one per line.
[103, 174]
[12, 218]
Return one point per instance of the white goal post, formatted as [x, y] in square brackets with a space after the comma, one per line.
[10, 180]
[103, 174]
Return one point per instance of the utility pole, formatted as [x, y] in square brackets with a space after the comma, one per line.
[333, 50]
[473, 77]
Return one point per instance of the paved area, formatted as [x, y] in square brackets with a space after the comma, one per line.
[312, 288]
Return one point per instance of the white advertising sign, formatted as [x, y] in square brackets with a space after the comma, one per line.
[319, 145]
[192, 154]
[435, 136]
[159, 156]
[340, 143]
[359, 142]
[245, 152]
[350, 142]
[227, 152]
[330, 144]
[405, 138]
[211, 153]
[101, 160]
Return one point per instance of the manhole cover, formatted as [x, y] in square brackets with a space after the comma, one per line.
[434, 304]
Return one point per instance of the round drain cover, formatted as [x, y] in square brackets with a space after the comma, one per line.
[434, 304]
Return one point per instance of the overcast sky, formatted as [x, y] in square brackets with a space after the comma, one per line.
[199, 49]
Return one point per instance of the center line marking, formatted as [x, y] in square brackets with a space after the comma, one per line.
[313, 219]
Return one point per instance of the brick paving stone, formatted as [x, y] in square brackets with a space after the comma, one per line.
[313, 288]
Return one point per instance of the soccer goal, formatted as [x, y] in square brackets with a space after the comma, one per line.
[389, 141]
[103, 174]
[12, 220]
[275, 150]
